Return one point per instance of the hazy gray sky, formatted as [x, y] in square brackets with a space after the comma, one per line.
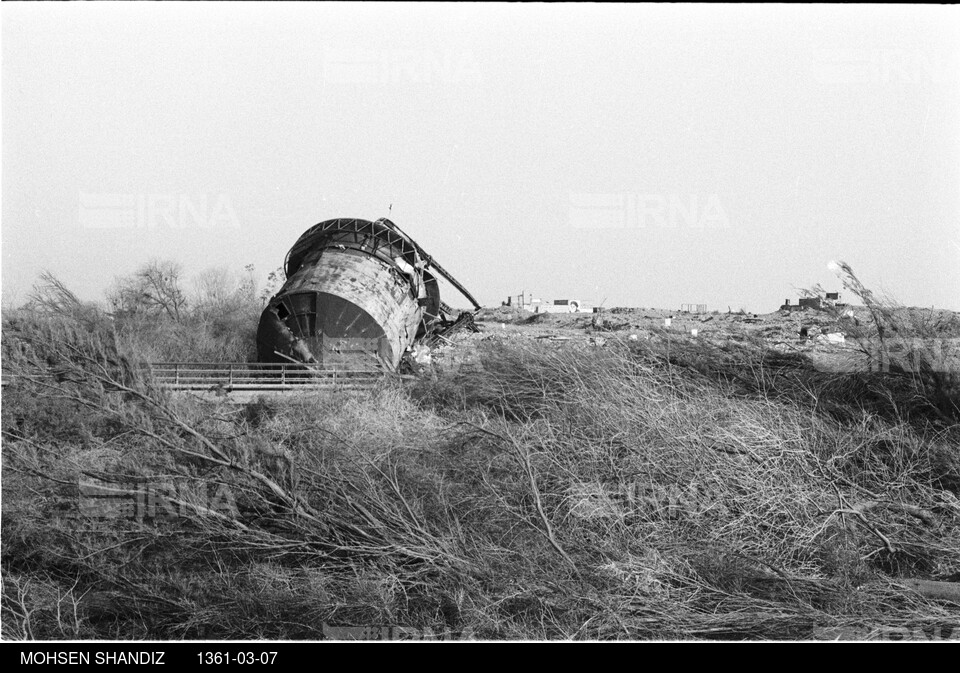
[646, 155]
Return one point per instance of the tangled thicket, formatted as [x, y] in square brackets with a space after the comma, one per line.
[644, 489]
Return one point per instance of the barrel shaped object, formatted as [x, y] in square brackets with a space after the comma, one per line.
[356, 297]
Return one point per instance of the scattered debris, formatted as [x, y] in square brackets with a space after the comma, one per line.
[607, 324]
[464, 323]
[833, 338]
[420, 353]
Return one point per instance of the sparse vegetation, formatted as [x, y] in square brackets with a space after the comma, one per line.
[643, 489]
[917, 348]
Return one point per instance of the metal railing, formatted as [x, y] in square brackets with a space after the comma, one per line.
[258, 376]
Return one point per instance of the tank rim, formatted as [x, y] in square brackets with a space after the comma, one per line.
[382, 229]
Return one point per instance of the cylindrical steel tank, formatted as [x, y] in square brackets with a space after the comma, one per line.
[357, 295]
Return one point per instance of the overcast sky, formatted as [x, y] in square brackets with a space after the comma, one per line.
[641, 155]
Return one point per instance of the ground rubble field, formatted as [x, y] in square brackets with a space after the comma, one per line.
[552, 476]
[805, 332]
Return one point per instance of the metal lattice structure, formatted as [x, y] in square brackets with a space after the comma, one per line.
[358, 294]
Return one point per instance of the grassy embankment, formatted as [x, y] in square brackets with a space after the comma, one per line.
[552, 491]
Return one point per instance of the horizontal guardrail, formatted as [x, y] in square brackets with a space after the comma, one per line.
[258, 376]
[227, 376]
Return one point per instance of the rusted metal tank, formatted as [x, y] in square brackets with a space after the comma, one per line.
[358, 295]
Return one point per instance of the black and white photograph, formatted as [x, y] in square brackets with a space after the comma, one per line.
[434, 322]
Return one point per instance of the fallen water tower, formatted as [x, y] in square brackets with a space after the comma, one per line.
[359, 294]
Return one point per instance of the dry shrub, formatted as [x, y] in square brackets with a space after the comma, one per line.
[639, 490]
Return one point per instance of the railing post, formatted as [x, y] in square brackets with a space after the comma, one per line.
[230, 375]
[283, 374]
[176, 375]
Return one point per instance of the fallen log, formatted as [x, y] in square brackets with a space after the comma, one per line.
[941, 591]
[926, 516]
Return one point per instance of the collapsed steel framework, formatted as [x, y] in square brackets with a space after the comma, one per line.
[358, 294]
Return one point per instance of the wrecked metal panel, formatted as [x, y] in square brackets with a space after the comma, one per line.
[358, 293]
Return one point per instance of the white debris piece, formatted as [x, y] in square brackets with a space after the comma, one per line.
[421, 354]
[832, 338]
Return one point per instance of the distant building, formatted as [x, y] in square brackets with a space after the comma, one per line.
[528, 302]
[558, 306]
[813, 303]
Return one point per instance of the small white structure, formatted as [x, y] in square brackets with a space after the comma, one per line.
[832, 338]
[557, 306]
[528, 302]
